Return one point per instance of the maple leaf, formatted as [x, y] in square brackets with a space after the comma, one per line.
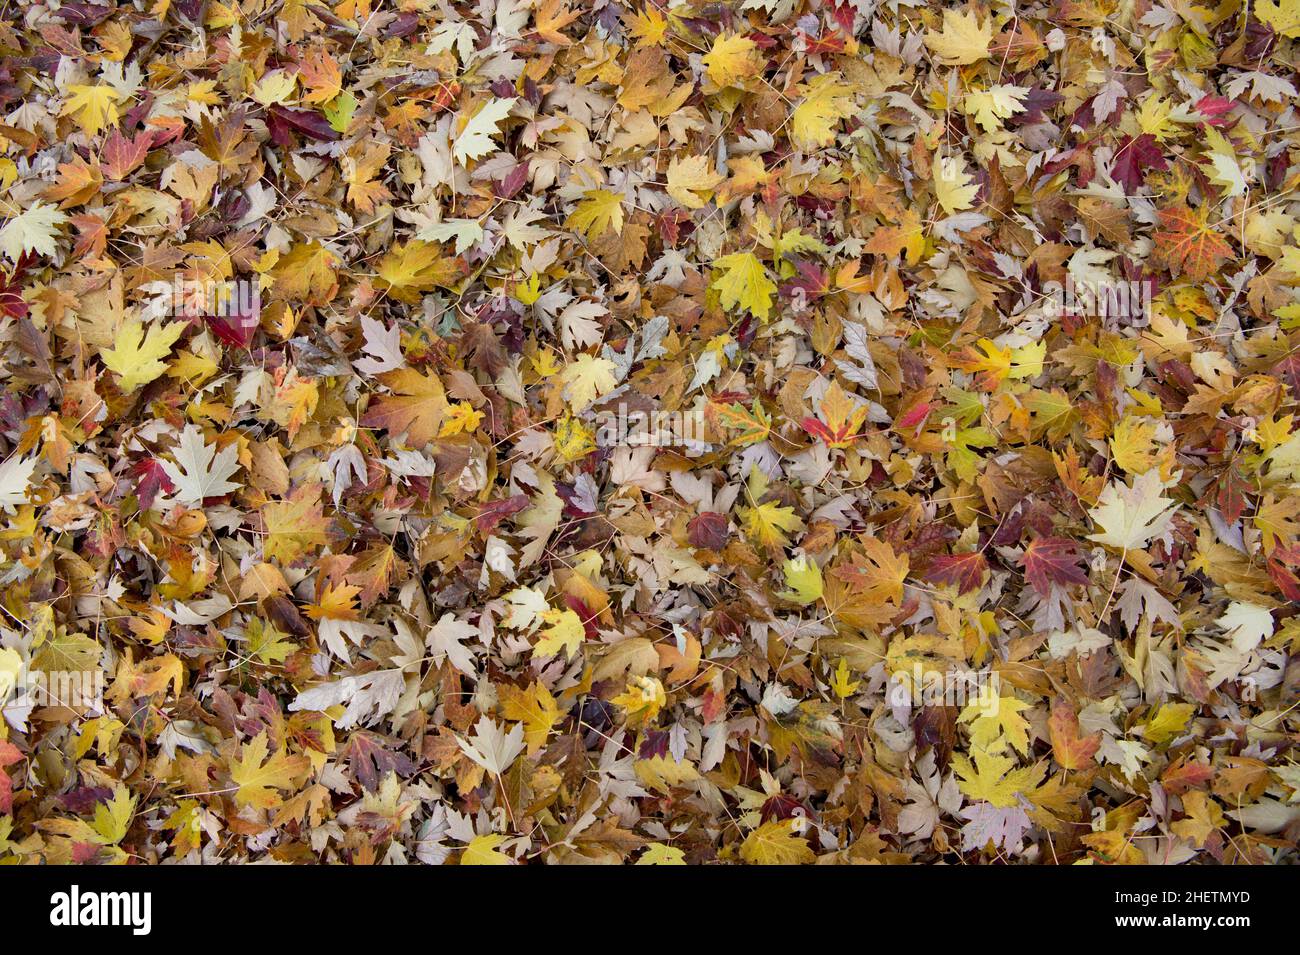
[1132, 157]
[1278, 521]
[585, 379]
[730, 59]
[137, 357]
[113, 818]
[268, 644]
[751, 425]
[93, 107]
[535, 708]
[1282, 15]
[308, 272]
[768, 522]
[842, 419]
[659, 854]
[1133, 444]
[78, 183]
[779, 842]
[988, 825]
[550, 17]
[599, 211]
[32, 230]
[295, 525]
[840, 682]
[415, 267]
[825, 102]
[363, 190]
[963, 39]
[564, 631]
[258, 777]
[199, 470]
[964, 571]
[691, 181]
[227, 143]
[383, 345]
[1203, 815]
[320, 74]
[446, 640]
[876, 572]
[996, 721]
[989, 107]
[1129, 516]
[15, 476]
[416, 408]
[1188, 243]
[1071, 750]
[953, 187]
[482, 850]
[804, 578]
[475, 140]
[1052, 560]
[642, 699]
[1168, 721]
[995, 779]
[744, 283]
[491, 748]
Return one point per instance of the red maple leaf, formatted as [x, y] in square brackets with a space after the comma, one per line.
[494, 512]
[966, 571]
[708, 530]
[1052, 560]
[1133, 157]
[1282, 565]
[1188, 244]
[9, 754]
[122, 156]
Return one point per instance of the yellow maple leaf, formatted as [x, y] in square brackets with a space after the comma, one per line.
[565, 632]
[482, 850]
[599, 211]
[258, 780]
[416, 267]
[648, 26]
[659, 854]
[766, 523]
[1168, 722]
[307, 273]
[1133, 444]
[731, 58]
[996, 721]
[779, 842]
[952, 186]
[585, 379]
[744, 283]
[137, 357]
[93, 107]
[962, 41]
[840, 682]
[989, 107]
[535, 708]
[994, 779]
[643, 698]
[1282, 15]
[804, 578]
[825, 102]
[294, 525]
[691, 181]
